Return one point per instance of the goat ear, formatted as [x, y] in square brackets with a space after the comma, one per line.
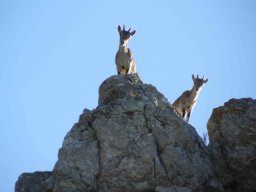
[193, 77]
[206, 80]
[119, 29]
[133, 32]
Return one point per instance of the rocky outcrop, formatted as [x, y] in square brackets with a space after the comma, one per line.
[33, 182]
[232, 134]
[142, 142]
[133, 141]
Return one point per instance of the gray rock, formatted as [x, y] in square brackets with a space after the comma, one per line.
[33, 182]
[133, 141]
[172, 189]
[232, 134]
[143, 143]
[78, 161]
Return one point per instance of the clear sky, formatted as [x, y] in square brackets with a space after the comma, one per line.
[54, 54]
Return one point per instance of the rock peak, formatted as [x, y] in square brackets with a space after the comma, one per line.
[132, 141]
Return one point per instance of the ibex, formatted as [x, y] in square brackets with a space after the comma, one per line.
[187, 101]
[124, 60]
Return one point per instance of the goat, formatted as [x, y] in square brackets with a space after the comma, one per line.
[124, 59]
[187, 101]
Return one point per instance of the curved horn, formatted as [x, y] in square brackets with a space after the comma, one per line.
[130, 29]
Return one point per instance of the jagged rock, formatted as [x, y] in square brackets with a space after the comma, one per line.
[32, 182]
[78, 162]
[232, 134]
[133, 141]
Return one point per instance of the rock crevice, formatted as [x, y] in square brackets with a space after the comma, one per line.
[160, 171]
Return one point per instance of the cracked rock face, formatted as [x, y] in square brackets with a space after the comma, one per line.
[133, 141]
[232, 134]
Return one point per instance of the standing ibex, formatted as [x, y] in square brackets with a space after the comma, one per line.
[124, 60]
[186, 102]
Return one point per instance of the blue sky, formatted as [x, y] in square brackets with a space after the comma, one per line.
[55, 54]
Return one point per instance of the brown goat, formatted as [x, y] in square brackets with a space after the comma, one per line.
[187, 101]
[124, 59]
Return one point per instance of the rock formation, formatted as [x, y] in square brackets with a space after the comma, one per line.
[232, 133]
[134, 141]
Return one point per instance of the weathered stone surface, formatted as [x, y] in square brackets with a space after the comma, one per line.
[172, 189]
[232, 134]
[142, 142]
[133, 141]
[33, 182]
[78, 163]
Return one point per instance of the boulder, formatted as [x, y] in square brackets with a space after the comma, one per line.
[133, 141]
[34, 182]
[232, 135]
